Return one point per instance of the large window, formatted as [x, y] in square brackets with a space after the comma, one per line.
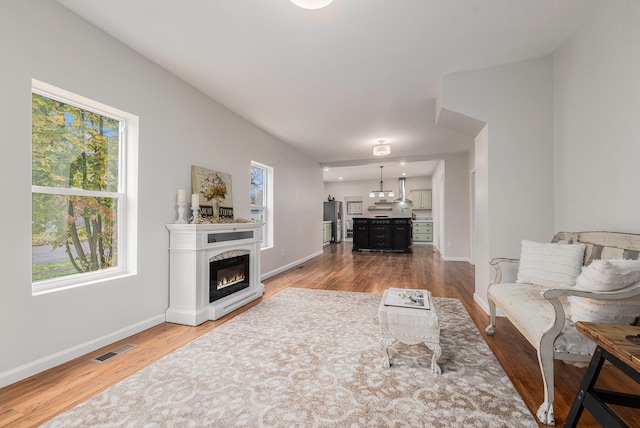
[262, 200]
[80, 200]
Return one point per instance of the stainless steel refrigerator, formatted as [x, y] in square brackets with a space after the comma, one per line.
[333, 213]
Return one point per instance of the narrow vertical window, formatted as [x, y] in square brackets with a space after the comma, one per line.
[262, 200]
[78, 193]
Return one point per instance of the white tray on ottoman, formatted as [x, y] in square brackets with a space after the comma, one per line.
[410, 326]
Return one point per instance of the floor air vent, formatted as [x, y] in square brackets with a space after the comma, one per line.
[113, 353]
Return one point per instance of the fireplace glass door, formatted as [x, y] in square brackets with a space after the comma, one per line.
[228, 276]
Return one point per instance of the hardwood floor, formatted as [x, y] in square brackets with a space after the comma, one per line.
[33, 401]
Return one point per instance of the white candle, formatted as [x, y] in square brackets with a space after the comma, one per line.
[195, 201]
[182, 196]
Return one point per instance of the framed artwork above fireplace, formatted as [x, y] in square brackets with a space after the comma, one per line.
[214, 188]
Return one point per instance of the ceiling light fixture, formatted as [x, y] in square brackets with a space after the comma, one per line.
[381, 192]
[311, 4]
[382, 149]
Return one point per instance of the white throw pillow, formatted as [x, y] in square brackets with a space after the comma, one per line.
[550, 265]
[605, 311]
[609, 275]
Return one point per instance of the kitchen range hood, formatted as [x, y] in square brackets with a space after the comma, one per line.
[402, 192]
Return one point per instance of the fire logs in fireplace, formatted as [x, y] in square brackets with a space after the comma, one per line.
[228, 276]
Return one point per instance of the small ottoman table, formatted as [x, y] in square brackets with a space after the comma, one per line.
[409, 326]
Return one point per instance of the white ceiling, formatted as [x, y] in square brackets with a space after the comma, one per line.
[390, 172]
[334, 81]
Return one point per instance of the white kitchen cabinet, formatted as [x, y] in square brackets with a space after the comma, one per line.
[421, 199]
[422, 231]
[326, 232]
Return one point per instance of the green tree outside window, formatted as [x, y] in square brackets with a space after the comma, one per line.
[75, 185]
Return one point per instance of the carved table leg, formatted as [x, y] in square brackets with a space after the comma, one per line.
[437, 351]
[385, 344]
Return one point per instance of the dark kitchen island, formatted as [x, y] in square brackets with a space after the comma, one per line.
[382, 234]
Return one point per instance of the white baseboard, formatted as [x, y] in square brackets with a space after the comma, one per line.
[455, 259]
[289, 266]
[485, 306]
[45, 363]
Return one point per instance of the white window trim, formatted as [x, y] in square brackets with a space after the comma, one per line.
[268, 229]
[355, 207]
[127, 194]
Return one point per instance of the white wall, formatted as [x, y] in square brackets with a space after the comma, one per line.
[597, 109]
[179, 127]
[438, 207]
[451, 207]
[472, 200]
[482, 235]
[455, 240]
[516, 101]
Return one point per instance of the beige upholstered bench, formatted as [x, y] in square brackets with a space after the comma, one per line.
[596, 278]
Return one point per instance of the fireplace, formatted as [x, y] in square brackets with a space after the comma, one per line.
[227, 276]
[214, 269]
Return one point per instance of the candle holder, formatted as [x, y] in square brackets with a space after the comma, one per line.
[181, 219]
[196, 214]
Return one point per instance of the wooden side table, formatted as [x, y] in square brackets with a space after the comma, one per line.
[613, 346]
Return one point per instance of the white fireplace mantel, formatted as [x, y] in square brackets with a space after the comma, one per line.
[191, 247]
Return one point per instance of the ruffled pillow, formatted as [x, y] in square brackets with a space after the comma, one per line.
[624, 311]
[609, 275]
[550, 265]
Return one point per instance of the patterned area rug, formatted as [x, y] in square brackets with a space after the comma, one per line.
[312, 358]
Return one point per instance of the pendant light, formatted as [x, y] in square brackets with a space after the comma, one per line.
[311, 4]
[381, 192]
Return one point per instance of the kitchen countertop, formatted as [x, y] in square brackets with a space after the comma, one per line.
[381, 217]
[423, 221]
